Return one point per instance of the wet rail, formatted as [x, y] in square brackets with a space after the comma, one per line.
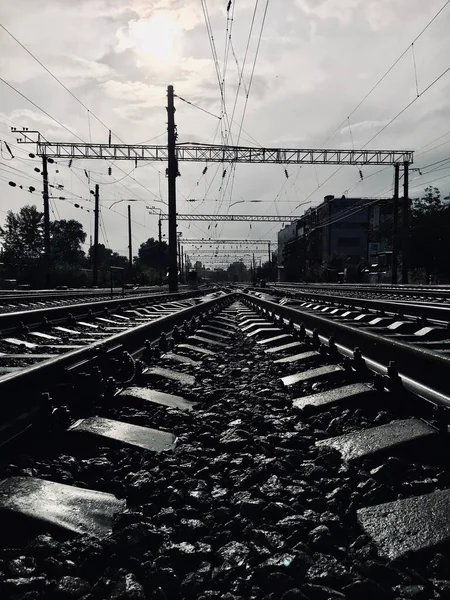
[230, 449]
[409, 304]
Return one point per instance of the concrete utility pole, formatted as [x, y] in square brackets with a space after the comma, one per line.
[95, 248]
[130, 248]
[395, 223]
[160, 252]
[47, 257]
[172, 172]
[179, 259]
[270, 263]
[405, 249]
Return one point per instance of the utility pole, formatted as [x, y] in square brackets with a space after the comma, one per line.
[130, 248]
[405, 253]
[270, 263]
[47, 257]
[95, 249]
[179, 259]
[182, 266]
[160, 252]
[395, 223]
[172, 172]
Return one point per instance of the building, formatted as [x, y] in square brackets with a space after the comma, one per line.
[340, 232]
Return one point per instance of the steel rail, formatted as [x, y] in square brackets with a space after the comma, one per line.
[411, 361]
[19, 296]
[437, 293]
[390, 306]
[11, 320]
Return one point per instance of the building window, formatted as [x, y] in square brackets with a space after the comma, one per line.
[349, 242]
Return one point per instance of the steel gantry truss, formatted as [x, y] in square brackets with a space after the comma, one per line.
[173, 153]
[214, 218]
[220, 241]
[212, 153]
[207, 251]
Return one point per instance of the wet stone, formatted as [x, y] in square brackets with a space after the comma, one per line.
[128, 588]
[72, 587]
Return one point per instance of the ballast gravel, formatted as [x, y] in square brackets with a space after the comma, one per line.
[246, 507]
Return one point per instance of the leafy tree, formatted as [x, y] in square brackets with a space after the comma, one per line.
[22, 235]
[143, 274]
[23, 245]
[108, 258]
[268, 270]
[66, 240]
[429, 243]
[154, 255]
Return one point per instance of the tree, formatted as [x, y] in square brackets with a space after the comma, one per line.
[154, 255]
[108, 258]
[22, 235]
[66, 240]
[237, 271]
[429, 243]
[23, 245]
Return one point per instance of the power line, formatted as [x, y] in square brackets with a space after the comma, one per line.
[196, 106]
[55, 78]
[41, 109]
[409, 104]
[388, 71]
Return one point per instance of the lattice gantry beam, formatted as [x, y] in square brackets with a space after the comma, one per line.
[221, 154]
[215, 218]
[219, 241]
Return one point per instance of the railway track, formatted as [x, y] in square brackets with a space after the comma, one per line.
[421, 293]
[409, 305]
[242, 454]
[30, 300]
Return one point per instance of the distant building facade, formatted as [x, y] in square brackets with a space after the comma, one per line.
[339, 229]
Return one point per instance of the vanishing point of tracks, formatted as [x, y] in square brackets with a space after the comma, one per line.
[234, 447]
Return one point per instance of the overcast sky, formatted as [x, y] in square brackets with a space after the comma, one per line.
[317, 59]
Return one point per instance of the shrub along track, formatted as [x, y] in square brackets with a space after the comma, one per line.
[246, 505]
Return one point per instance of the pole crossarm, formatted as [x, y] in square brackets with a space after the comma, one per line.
[211, 153]
[219, 241]
[214, 218]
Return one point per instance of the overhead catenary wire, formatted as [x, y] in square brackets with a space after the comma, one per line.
[374, 87]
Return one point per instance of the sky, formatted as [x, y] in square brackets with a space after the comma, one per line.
[307, 65]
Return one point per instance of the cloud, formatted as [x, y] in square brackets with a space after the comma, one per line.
[340, 10]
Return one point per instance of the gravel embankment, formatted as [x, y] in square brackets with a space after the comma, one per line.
[246, 507]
